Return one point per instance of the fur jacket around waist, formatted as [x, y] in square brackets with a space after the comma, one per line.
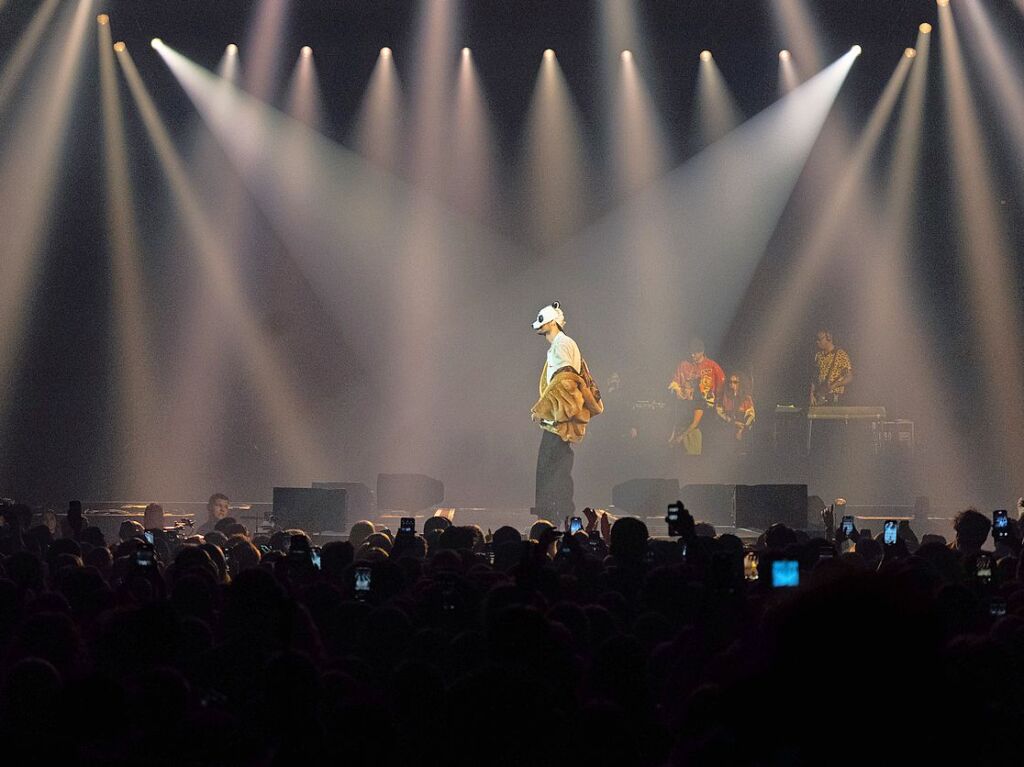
[568, 402]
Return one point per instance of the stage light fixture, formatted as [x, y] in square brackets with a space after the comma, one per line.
[705, 55]
[857, 50]
[306, 51]
[785, 55]
[925, 29]
[942, 3]
[120, 47]
[103, 19]
[385, 53]
[466, 53]
[232, 49]
[156, 42]
[910, 53]
[627, 55]
[549, 54]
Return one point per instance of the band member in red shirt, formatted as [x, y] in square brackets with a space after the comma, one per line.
[698, 366]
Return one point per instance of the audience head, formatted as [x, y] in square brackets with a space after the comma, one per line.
[359, 532]
[971, 527]
[153, 517]
[218, 507]
[129, 529]
[629, 537]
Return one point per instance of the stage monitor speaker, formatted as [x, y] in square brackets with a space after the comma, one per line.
[645, 497]
[758, 507]
[711, 503]
[359, 498]
[310, 509]
[408, 492]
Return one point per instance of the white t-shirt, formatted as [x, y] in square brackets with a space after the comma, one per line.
[563, 352]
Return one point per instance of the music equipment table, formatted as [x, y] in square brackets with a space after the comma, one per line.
[842, 413]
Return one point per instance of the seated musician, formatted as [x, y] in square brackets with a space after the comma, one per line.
[736, 407]
[833, 372]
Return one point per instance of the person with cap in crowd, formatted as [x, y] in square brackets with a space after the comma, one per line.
[569, 398]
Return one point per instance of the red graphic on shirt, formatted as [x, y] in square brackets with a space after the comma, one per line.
[690, 371]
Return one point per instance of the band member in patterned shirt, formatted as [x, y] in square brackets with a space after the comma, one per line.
[833, 371]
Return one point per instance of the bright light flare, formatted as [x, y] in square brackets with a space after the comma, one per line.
[549, 54]
[910, 53]
[627, 55]
[306, 51]
[156, 42]
[785, 55]
[231, 50]
[103, 20]
[942, 3]
[857, 50]
[120, 47]
[385, 53]
[705, 56]
[925, 28]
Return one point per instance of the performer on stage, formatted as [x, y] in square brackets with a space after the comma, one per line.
[696, 367]
[833, 371]
[736, 408]
[569, 398]
[691, 414]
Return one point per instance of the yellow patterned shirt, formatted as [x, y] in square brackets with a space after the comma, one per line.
[835, 366]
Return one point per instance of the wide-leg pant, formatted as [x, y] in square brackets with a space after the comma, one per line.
[554, 479]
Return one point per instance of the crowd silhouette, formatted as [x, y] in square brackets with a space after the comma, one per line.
[606, 646]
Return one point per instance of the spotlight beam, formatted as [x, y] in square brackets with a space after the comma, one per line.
[798, 33]
[27, 45]
[718, 111]
[378, 125]
[304, 102]
[555, 157]
[28, 169]
[472, 145]
[353, 246]
[266, 372]
[137, 387]
[1005, 81]
[892, 298]
[263, 48]
[716, 213]
[844, 196]
[991, 274]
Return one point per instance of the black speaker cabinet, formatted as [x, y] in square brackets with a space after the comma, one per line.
[758, 507]
[645, 497]
[408, 492]
[711, 503]
[358, 498]
[310, 509]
